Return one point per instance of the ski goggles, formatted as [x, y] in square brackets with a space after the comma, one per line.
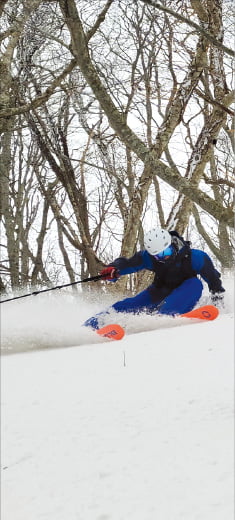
[165, 254]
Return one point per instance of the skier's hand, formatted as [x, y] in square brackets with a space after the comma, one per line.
[110, 273]
[217, 299]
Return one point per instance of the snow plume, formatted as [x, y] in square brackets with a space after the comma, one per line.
[54, 320]
[46, 321]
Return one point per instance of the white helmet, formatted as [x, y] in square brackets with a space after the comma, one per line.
[156, 240]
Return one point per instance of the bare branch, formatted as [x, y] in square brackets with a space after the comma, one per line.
[212, 101]
[99, 20]
[219, 181]
[197, 27]
[39, 100]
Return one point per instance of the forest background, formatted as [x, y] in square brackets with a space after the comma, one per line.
[115, 116]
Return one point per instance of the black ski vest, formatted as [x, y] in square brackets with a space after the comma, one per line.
[174, 271]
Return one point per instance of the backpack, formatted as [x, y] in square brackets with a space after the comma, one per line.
[179, 241]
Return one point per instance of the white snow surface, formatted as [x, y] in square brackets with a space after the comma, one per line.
[140, 429]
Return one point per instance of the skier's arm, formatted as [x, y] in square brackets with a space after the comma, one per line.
[202, 264]
[137, 262]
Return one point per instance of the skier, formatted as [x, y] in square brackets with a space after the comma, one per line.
[176, 287]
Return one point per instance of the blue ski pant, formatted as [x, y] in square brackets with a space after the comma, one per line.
[163, 300]
[160, 300]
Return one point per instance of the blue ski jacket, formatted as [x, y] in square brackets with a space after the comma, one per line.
[186, 264]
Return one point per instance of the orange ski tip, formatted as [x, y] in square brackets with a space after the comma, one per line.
[113, 331]
[207, 312]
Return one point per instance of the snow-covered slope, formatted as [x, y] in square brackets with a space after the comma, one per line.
[140, 429]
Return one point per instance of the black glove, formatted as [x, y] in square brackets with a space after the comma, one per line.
[217, 299]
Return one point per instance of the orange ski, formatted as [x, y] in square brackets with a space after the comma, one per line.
[113, 331]
[207, 312]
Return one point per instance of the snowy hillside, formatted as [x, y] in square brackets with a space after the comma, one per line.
[140, 429]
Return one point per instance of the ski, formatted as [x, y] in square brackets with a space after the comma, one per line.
[206, 312]
[113, 331]
[116, 332]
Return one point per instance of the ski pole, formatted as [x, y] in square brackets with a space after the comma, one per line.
[34, 293]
